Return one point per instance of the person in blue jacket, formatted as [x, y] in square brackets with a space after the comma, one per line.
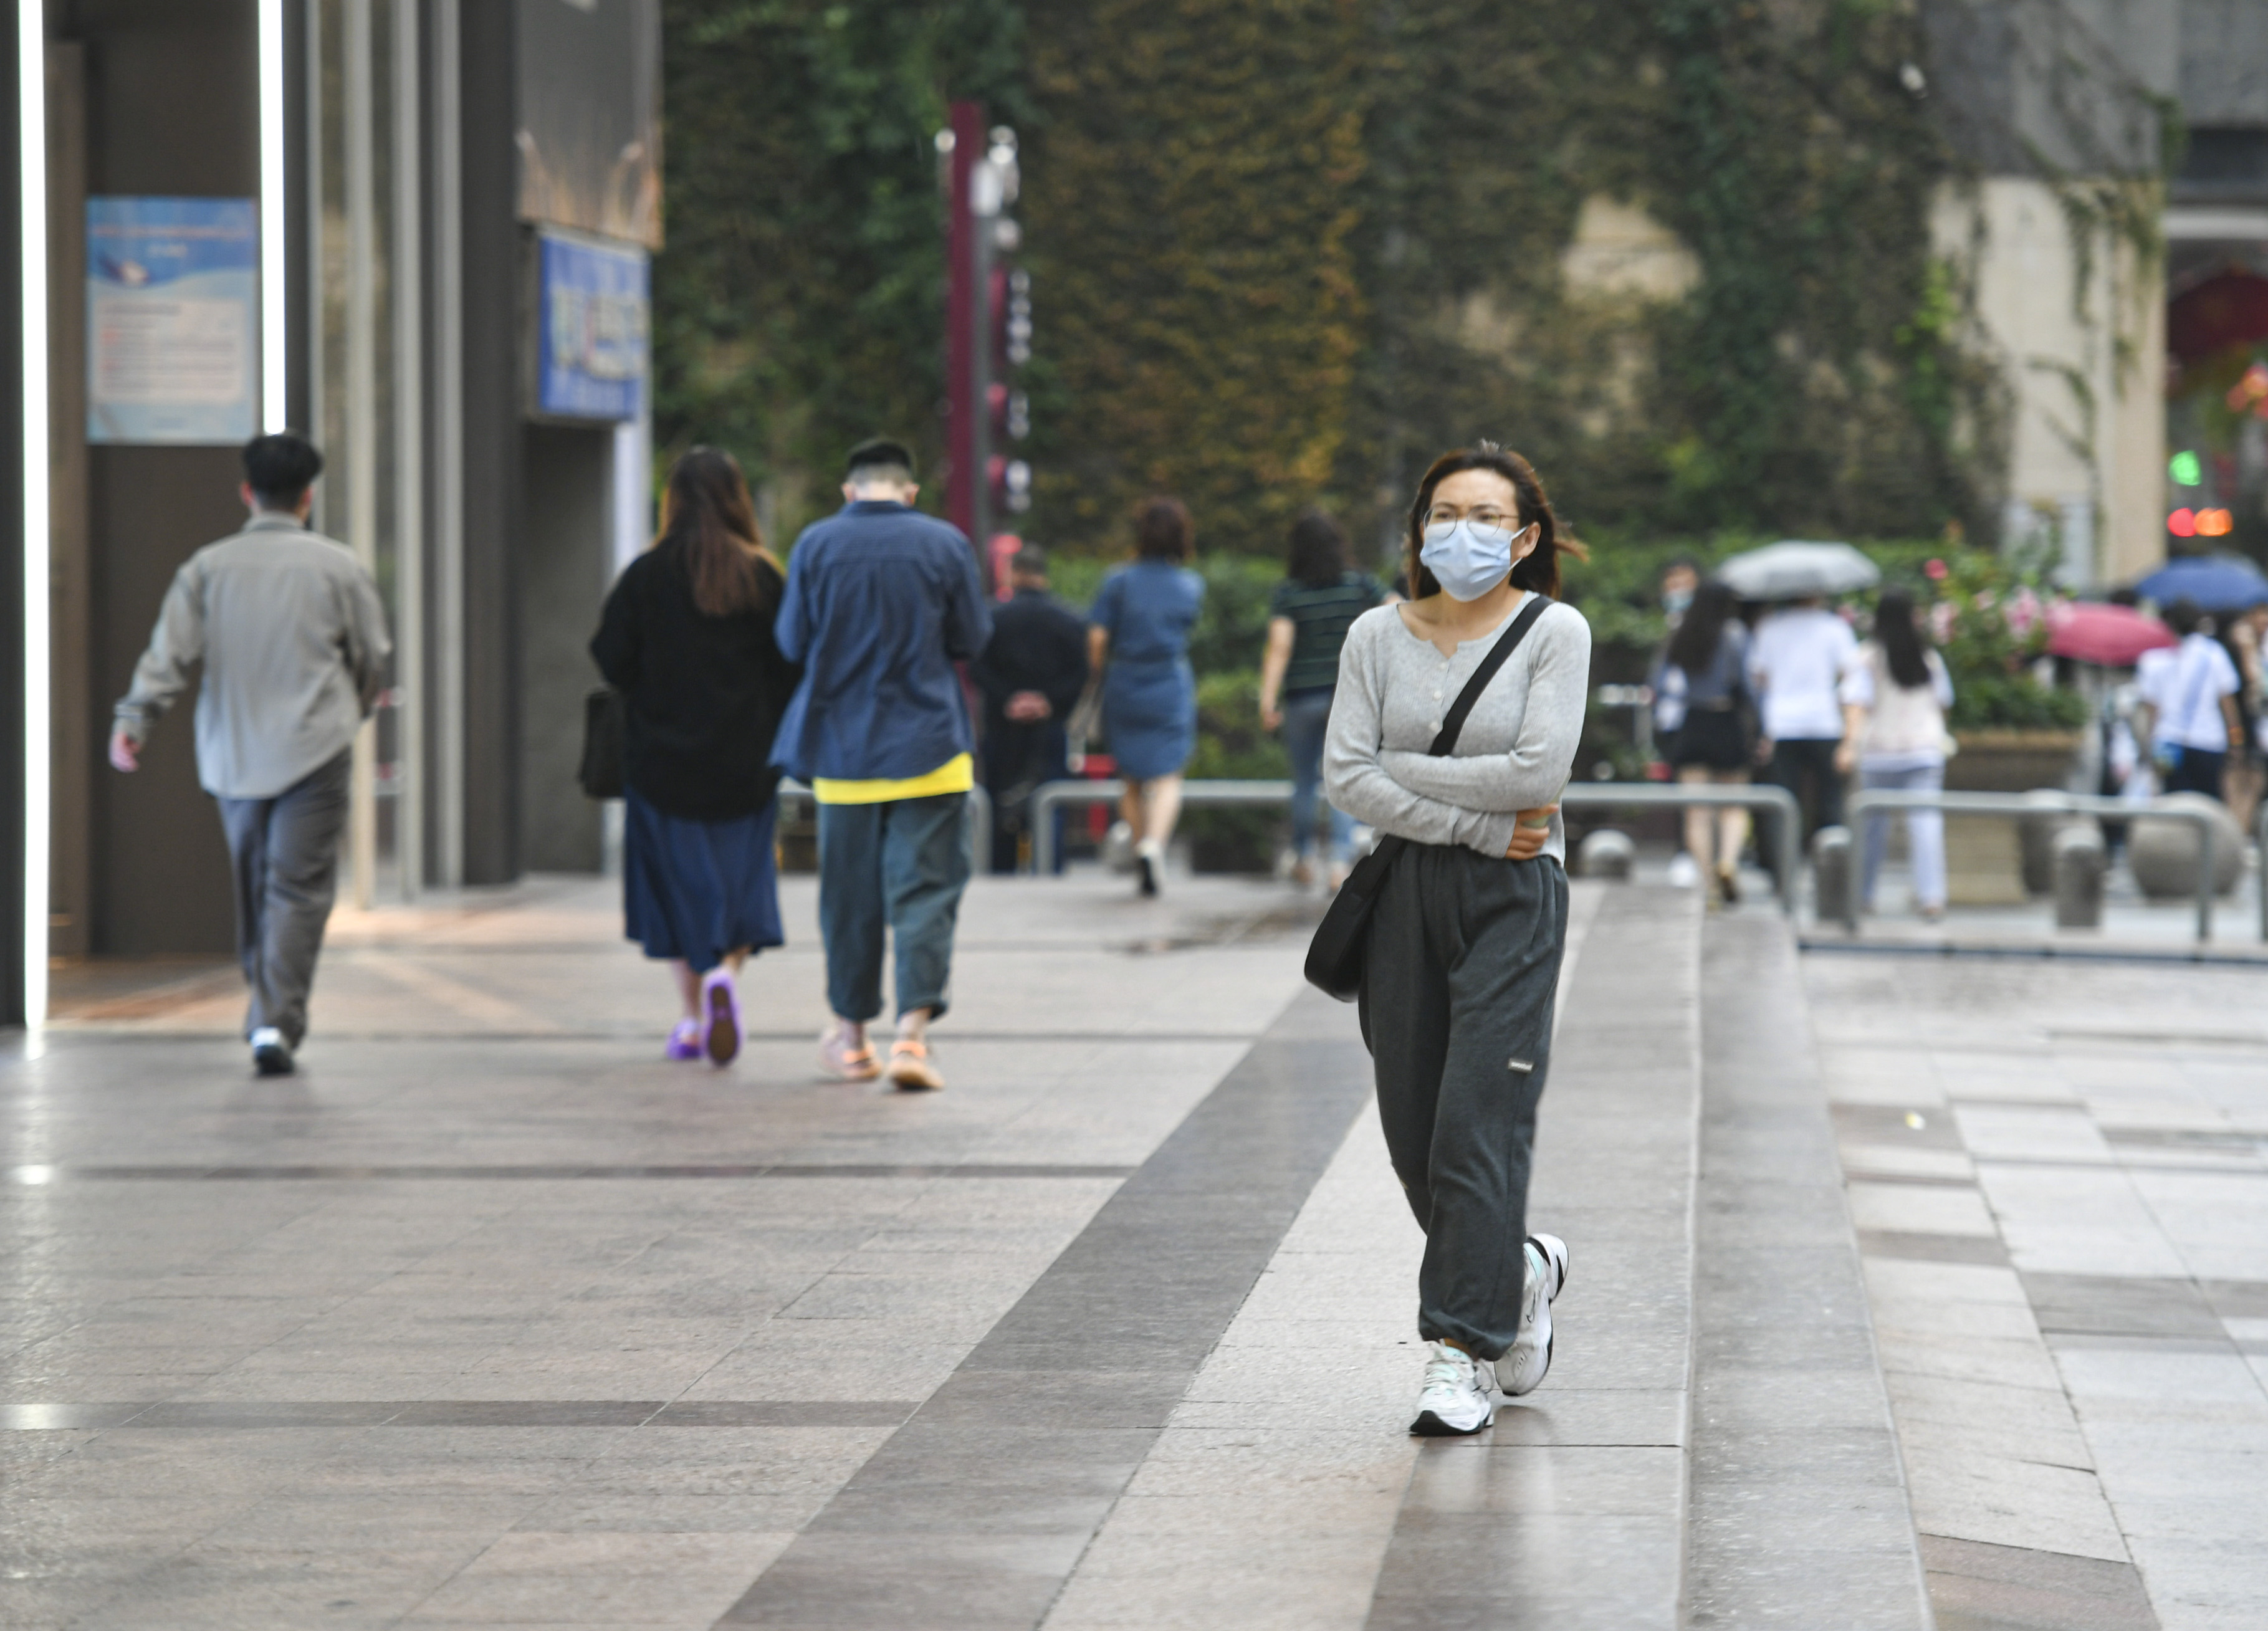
[1138, 643]
[881, 601]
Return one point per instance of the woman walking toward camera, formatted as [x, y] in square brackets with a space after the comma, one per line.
[1464, 939]
[1904, 689]
[1139, 646]
[1308, 617]
[687, 638]
[1703, 668]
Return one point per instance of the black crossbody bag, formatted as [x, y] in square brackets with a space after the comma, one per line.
[1334, 956]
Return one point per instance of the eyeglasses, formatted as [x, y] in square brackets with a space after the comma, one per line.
[1482, 518]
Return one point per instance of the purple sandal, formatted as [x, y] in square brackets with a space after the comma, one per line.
[720, 1015]
[684, 1040]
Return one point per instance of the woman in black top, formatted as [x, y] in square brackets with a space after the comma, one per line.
[687, 638]
[1308, 617]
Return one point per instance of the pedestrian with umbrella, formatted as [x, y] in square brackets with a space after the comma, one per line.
[2216, 584]
[2191, 698]
[1798, 661]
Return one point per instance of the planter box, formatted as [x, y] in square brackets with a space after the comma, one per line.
[1985, 855]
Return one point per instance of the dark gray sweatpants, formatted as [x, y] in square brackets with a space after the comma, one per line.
[284, 852]
[1459, 979]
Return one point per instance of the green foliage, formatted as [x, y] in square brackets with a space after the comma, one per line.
[1286, 250]
[1190, 203]
[1231, 744]
[1990, 621]
[797, 307]
[1810, 381]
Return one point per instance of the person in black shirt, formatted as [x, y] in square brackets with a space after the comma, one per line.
[1031, 675]
[1308, 617]
[687, 638]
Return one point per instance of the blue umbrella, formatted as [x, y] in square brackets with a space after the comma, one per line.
[2214, 583]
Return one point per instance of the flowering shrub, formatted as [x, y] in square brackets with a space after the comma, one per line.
[1990, 621]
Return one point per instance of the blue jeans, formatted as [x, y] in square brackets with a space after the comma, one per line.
[903, 863]
[1925, 832]
[1306, 716]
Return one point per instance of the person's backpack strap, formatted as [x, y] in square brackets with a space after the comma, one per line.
[1454, 723]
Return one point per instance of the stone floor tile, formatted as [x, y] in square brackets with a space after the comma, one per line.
[1915, 1209]
[637, 1577]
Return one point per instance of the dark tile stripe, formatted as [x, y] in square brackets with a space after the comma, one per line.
[1977, 1586]
[1794, 1453]
[1496, 1530]
[200, 1415]
[1916, 1247]
[485, 1174]
[975, 1511]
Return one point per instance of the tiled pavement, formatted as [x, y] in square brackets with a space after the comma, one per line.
[2059, 1174]
[491, 1318]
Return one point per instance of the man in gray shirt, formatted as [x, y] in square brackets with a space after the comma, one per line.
[288, 627]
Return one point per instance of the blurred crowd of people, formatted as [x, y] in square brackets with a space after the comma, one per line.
[1790, 692]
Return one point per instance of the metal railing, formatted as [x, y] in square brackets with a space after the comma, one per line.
[1762, 796]
[980, 818]
[2042, 802]
[1049, 797]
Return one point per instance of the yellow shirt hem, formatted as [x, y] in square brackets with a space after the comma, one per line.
[956, 774]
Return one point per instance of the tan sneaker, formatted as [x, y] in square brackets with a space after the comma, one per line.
[910, 1066]
[845, 1064]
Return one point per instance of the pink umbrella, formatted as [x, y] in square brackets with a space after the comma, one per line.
[2113, 636]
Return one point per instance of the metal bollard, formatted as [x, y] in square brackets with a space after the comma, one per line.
[2078, 865]
[1606, 853]
[1833, 866]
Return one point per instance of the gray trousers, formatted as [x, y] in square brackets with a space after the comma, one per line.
[285, 852]
[1459, 979]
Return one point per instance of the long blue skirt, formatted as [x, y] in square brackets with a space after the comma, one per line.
[697, 890]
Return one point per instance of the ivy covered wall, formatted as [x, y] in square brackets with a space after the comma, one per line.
[798, 307]
[1286, 250]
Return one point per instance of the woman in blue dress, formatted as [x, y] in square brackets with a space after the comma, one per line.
[1138, 642]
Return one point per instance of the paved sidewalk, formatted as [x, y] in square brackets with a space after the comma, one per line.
[491, 1317]
[2060, 1173]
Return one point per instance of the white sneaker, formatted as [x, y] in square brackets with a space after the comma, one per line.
[1524, 1363]
[1685, 871]
[271, 1054]
[1454, 1397]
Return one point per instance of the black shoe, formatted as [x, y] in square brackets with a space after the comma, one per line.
[1149, 876]
[271, 1056]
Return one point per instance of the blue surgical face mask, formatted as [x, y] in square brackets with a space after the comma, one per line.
[1467, 561]
[1675, 600]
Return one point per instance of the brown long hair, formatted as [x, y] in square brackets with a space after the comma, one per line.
[707, 507]
[1539, 568]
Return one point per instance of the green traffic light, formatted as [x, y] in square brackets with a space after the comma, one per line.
[2184, 469]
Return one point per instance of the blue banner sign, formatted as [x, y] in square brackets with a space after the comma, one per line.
[591, 330]
[172, 319]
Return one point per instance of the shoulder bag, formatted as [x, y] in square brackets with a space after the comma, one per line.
[1334, 956]
[602, 769]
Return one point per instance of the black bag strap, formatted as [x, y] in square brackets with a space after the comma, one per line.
[1454, 723]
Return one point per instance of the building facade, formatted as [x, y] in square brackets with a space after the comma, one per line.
[417, 229]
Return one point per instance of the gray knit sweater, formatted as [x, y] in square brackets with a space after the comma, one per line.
[1514, 753]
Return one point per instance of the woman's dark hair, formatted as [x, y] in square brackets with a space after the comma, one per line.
[706, 507]
[1900, 639]
[1693, 648]
[1539, 568]
[1163, 530]
[2183, 616]
[1318, 554]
